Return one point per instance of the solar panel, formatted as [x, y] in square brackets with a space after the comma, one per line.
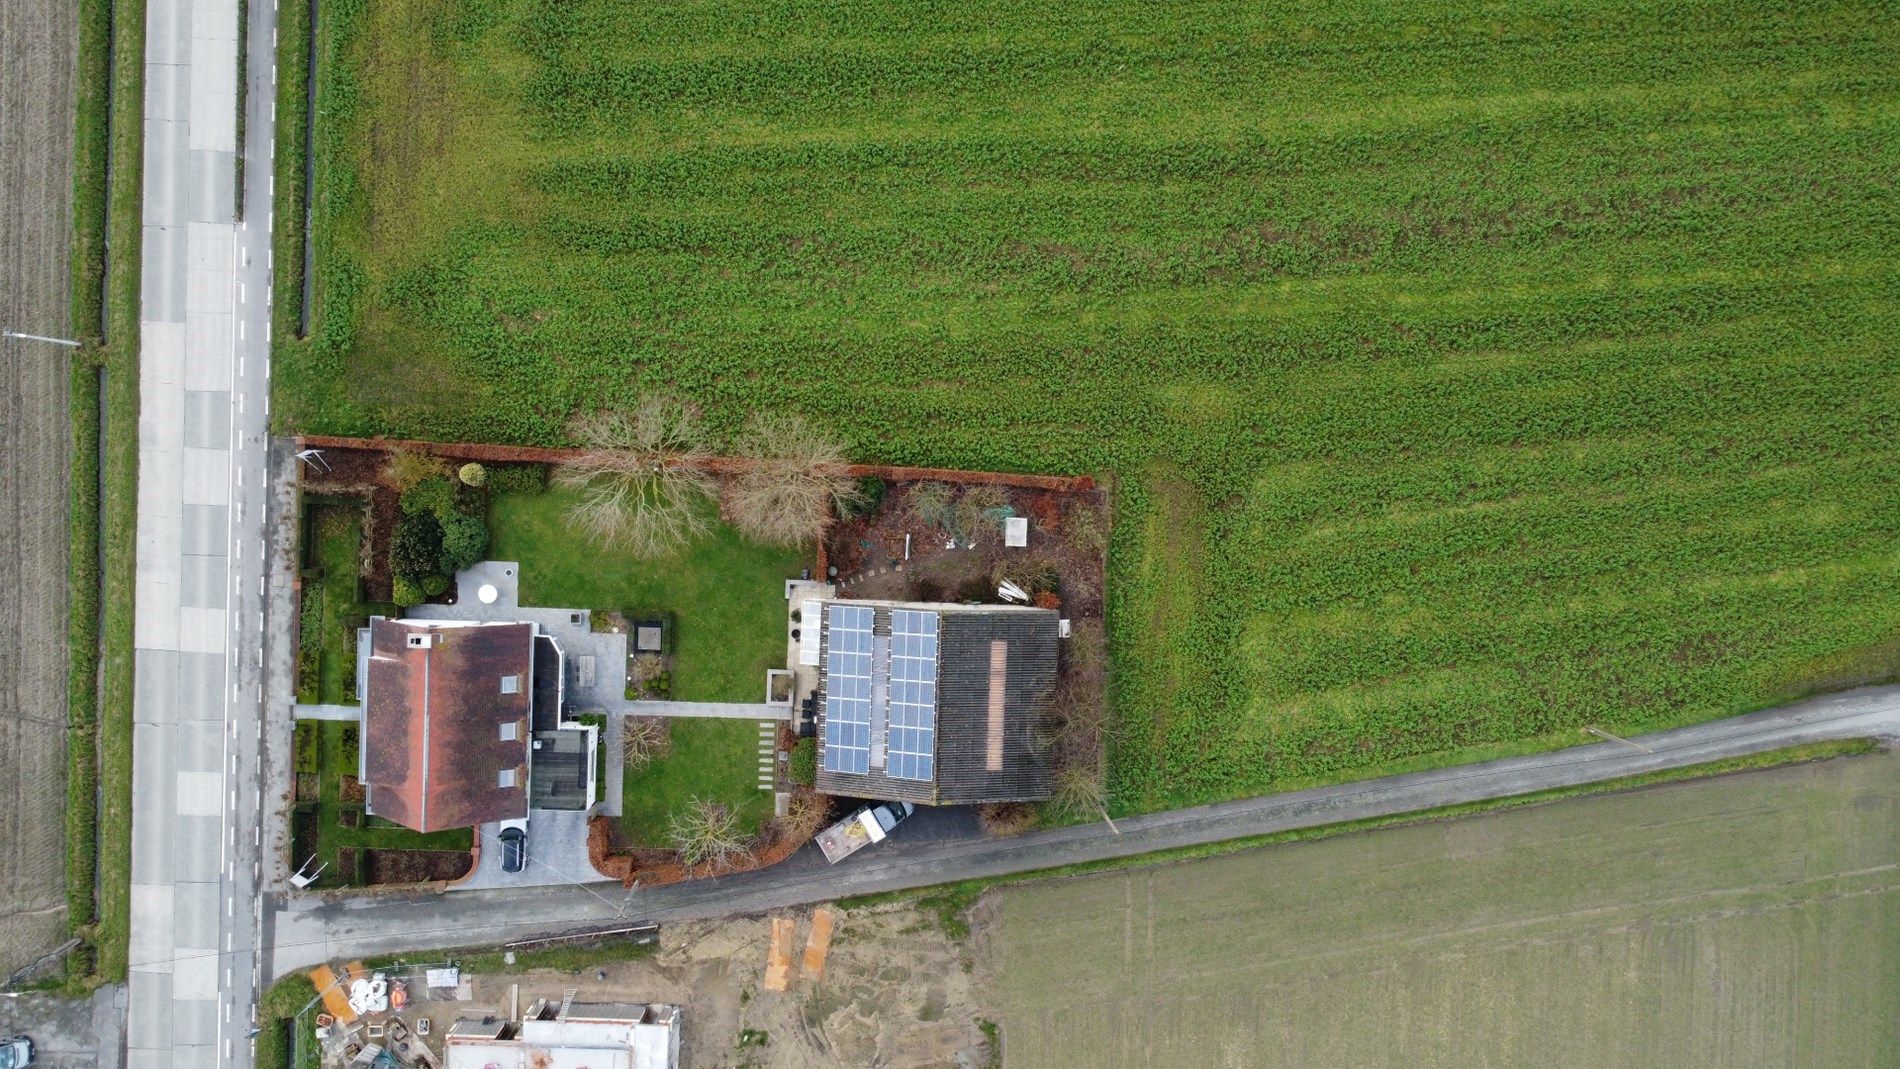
[848, 688]
[911, 750]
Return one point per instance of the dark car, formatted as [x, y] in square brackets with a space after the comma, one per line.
[514, 849]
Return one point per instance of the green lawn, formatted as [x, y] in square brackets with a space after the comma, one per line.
[712, 759]
[728, 596]
[1468, 373]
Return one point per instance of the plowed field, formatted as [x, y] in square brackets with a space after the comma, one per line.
[1751, 920]
[36, 149]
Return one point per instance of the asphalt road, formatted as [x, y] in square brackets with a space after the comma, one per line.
[308, 930]
[202, 549]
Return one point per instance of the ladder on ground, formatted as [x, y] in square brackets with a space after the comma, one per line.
[567, 1001]
[768, 755]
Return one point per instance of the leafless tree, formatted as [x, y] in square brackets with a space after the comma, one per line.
[641, 478]
[794, 479]
[642, 739]
[708, 834]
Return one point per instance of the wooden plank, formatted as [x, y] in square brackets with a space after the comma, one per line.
[818, 946]
[778, 959]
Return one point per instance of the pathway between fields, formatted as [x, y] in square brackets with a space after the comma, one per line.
[308, 930]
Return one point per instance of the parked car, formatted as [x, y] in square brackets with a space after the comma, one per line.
[16, 1052]
[872, 824]
[514, 849]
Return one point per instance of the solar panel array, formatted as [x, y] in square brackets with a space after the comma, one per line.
[912, 748]
[848, 689]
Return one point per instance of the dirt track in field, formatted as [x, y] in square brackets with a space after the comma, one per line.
[37, 37]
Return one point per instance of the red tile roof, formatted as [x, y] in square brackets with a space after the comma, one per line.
[432, 723]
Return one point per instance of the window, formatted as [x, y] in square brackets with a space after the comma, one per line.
[505, 778]
[510, 731]
[511, 684]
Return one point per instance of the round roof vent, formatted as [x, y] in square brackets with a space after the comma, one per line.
[488, 593]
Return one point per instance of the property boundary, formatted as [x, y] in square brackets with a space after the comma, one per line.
[504, 454]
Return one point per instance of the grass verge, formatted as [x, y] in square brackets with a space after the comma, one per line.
[105, 511]
[951, 901]
[293, 81]
[90, 146]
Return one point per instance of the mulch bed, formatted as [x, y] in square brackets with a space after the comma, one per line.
[869, 552]
[382, 867]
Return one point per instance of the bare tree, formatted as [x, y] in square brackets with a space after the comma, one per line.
[707, 833]
[795, 478]
[642, 739]
[641, 478]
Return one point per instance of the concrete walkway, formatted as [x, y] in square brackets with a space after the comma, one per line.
[350, 713]
[728, 710]
[309, 931]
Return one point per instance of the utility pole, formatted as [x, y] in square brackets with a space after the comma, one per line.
[68, 342]
[1602, 734]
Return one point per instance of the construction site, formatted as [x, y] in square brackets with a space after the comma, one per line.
[809, 988]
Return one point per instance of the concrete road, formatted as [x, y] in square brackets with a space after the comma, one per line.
[199, 637]
[308, 930]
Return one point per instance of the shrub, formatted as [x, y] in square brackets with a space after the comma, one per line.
[803, 767]
[434, 494]
[1087, 530]
[405, 592]
[415, 550]
[435, 585]
[804, 816]
[464, 540]
[929, 504]
[870, 495]
[517, 478]
[310, 619]
[1006, 818]
[403, 470]
[472, 474]
[306, 754]
[977, 511]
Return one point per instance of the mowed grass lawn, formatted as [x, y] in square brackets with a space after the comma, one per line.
[1743, 920]
[712, 759]
[728, 596]
[1468, 374]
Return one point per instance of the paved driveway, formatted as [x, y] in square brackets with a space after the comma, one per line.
[557, 854]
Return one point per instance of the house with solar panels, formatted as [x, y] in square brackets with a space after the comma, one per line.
[934, 703]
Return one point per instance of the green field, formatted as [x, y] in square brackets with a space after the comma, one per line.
[1466, 374]
[1747, 920]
